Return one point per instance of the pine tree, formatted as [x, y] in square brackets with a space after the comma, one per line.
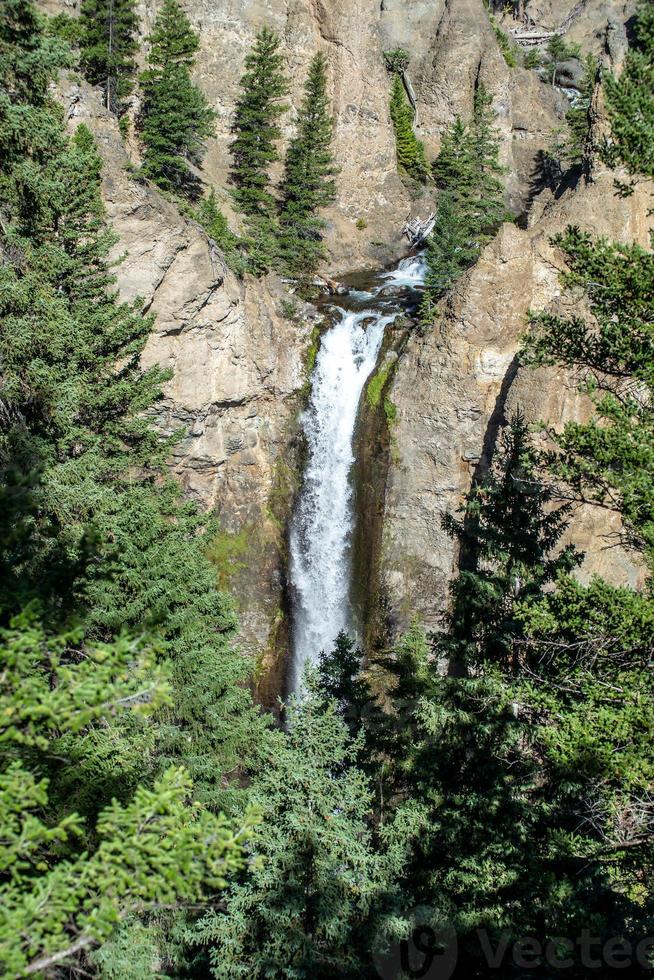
[94, 530]
[67, 881]
[308, 183]
[28, 61]
[175, 119]
[558, 51]
[453, 167]
[214, 222]
[576, 149]
[609, 458]
[302, 910]
[107, 41]
[509, 534]
[630, 104]
[488, 210]
[341, 681]
[451, 249]
[410, 151]
[255, 125]
[521, 777]
[471, 205]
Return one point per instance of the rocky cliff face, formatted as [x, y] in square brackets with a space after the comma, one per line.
[239, 361]
[451, 44]
[455, 387]
[238, 371]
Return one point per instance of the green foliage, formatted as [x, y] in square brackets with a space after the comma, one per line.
[558, 50]
[312, 351]
[575, 149]
[340, 681]
[378, 382]
[609, 458]
[65, 27]
[105, 822]
[290, 310]
[471, 205]
[308, 184]
[630, 104]
[520, 774]
[390, 411]
[397, 60]
[66, 883]
[301, 911]
[133, 952]
[214, 222]
[532, 59]
[508, 535]
[156, 546]
[410, 151]
[175, 119]
[451, 248]
[506, 47]
[256, 125]
[227, 552]
[107, 43]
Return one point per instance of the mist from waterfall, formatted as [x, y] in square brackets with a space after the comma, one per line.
[323, 521]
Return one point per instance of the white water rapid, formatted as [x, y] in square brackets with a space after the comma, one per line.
[323, 521]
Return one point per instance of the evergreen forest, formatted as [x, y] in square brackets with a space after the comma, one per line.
[469, 795]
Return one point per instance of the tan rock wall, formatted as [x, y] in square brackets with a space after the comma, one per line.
[457, 384]
[238, 370]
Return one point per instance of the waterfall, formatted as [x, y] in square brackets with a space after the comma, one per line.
[323, 520]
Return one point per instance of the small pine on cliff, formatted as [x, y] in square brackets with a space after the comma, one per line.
[107, 48]
[471, 206]
[175, 118]
[308, 183]
[410, 151]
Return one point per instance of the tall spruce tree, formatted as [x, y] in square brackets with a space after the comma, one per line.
[256, 128]
[302, 911]
[107, 41]
[91, 717]
[508, 535]
[76, 396]
[450, 250]
[471, 205]
[175, 119]
[487, 203]
[630, 103]
[523, 777]
[308, 183]
[410, 150]
[341, 681]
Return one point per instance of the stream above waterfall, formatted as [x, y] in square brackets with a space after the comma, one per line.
[323, 521]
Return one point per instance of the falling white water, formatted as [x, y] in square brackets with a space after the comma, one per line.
[409, 272]
[323, 522]
[322, 525]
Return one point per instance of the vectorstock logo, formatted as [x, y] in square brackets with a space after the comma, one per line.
[431, 952]
[428, 952]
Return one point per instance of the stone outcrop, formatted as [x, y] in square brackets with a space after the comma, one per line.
[456, 385]
[451, 44]
[238, 371]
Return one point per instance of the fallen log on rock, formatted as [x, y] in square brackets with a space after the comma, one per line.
[417, 230]
[327, 285]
